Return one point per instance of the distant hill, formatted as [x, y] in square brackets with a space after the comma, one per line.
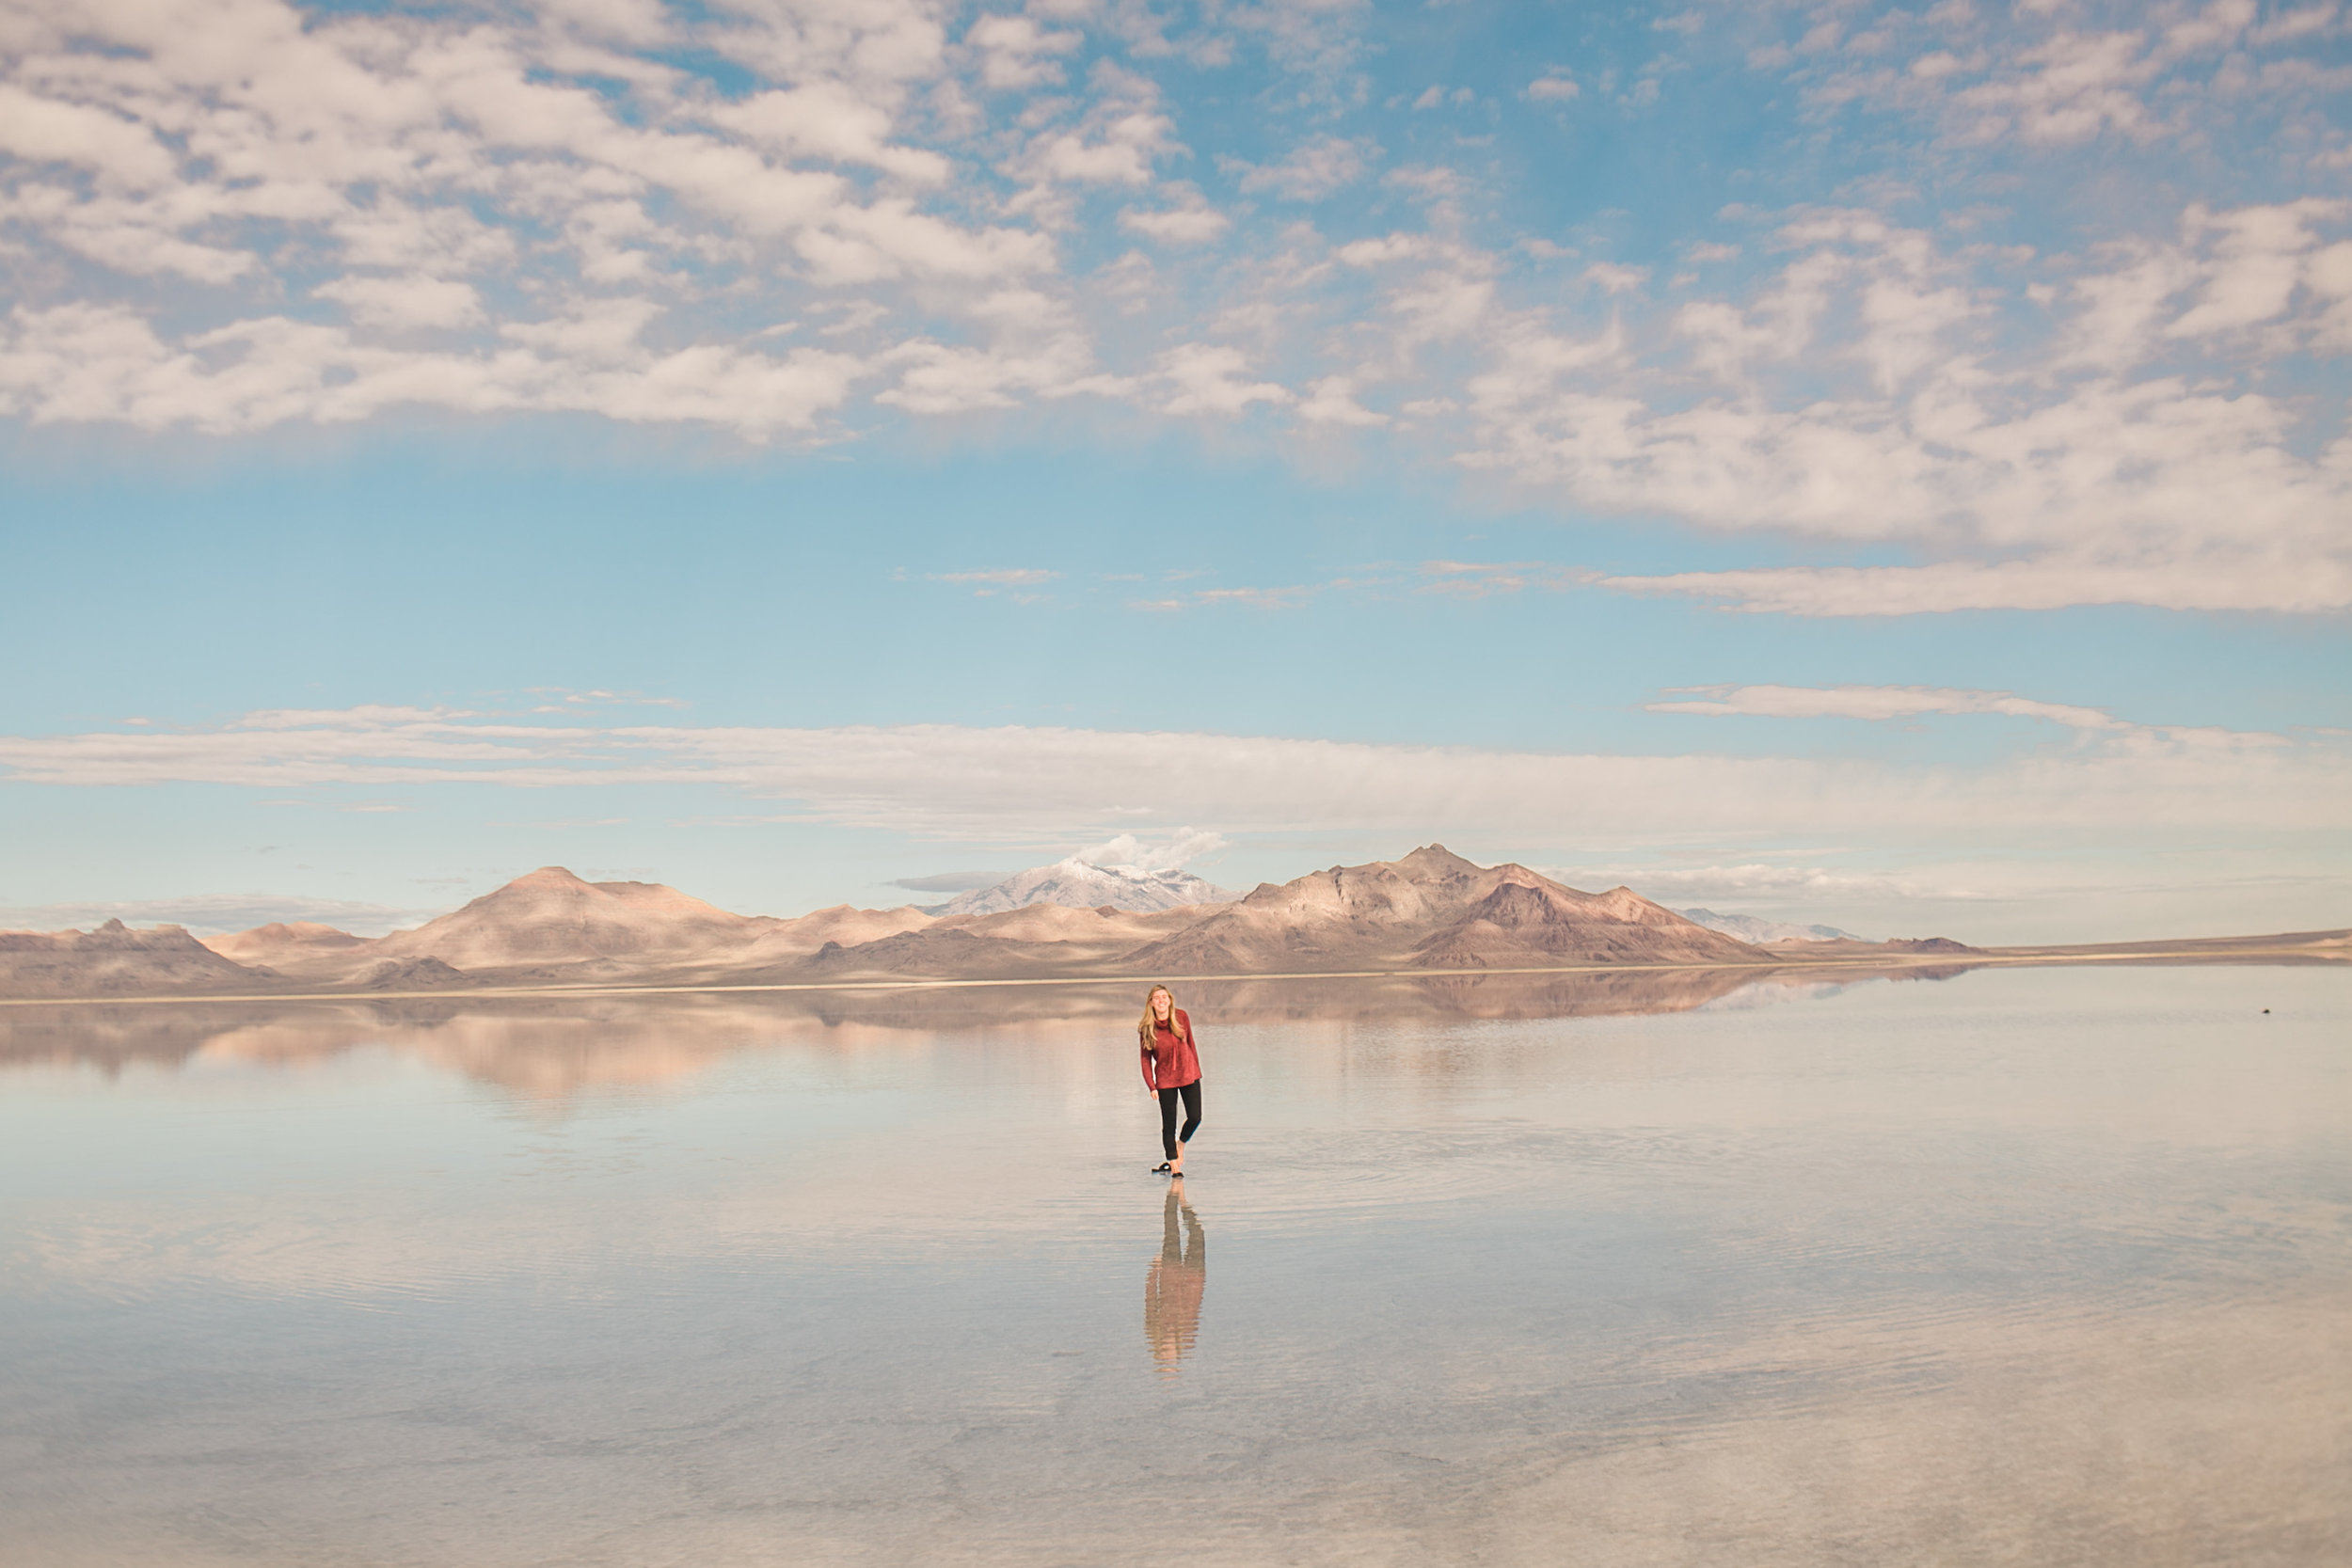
[1430, 914]
[1434, 909]
[1749, 927]
[551, 917]
[552, 924]
[1077, 884]
[115, 961]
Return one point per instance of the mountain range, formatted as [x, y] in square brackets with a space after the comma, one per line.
[1431, 910]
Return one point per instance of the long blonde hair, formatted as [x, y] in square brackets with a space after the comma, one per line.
[1176, 1025]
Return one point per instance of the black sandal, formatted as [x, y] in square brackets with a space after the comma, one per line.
[1161, 1166]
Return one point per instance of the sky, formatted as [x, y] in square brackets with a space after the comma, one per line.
[1877, 465]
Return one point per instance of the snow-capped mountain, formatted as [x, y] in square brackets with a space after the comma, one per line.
[1075, 884]
[1749, 927]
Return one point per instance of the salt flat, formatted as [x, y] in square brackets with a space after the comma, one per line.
[2019, 1265]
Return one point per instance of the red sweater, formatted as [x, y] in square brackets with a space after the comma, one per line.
[1168, 1062]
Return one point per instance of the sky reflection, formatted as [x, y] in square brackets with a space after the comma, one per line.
[2024, 1266]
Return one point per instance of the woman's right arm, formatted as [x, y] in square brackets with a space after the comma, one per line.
[1150, 1084]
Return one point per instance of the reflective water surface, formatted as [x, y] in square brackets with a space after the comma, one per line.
[2035, 1266]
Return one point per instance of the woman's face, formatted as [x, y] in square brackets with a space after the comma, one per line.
[1162, 1004]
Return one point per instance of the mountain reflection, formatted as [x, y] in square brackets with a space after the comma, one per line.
[548, 1047]
[1173, 1289]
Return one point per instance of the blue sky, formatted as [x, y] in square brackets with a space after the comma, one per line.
[1882, 464]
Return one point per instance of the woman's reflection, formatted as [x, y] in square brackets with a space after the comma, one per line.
[1171, 1291]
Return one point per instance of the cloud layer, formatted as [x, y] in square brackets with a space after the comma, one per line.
[794, 220]
[1024, 785]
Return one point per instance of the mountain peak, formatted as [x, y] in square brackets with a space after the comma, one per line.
[552, 878]
[1434, 862]
[551, 915]
[1078, 884]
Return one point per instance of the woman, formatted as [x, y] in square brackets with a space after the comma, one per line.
[1171, 1069]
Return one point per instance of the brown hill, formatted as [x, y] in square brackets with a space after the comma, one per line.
[288, 946]
[1035, 940]
[844, 924]
[115, 961]
[1429, 911]
[551, 917]
[1336, 919]
[1434, 909]
[1526, 921]
[550, 926]
[1853, 947]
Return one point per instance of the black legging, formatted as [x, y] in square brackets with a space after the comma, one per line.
[1169, 1137]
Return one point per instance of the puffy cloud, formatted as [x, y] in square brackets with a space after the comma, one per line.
[1210, 378]
[830, 120]
[2053, 488]
[119, 152]
[1332, 401]
[1181, 848]
[1317, 168]
[225, 214]
[241, 143]
[395, 303]
[1015, 52]
[2046, 76]
[1190, 221]
[98, 363]
[1120, 155]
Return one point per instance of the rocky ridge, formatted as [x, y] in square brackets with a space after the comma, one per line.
[1430, 912]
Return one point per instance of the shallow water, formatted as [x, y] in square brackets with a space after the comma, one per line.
[2037, 1266]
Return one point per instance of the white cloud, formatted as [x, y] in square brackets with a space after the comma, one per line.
[96, 363]
[1010, 577]
[2053, 488]
[2052, 76]
[1121, 154]
[1332, 401]
[243, 143]
[230, 215]
[119, 152]
[1016, 53]
[1190, 221]
[1317, 168]
[1212, 378]
[831, 121]
[393, 304]
[1018, 784]
[2239, 580]
[1556, 87]
[1178, 849]
[1876, 702]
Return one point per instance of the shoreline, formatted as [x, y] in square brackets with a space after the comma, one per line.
[1982, 959]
